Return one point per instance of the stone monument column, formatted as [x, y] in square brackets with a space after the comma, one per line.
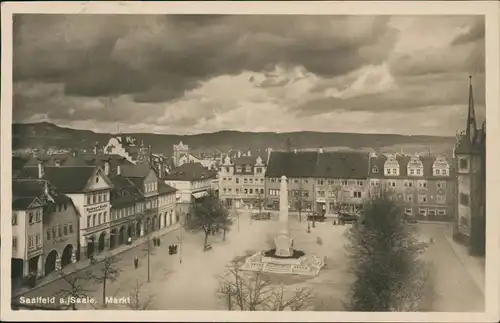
[283, 242]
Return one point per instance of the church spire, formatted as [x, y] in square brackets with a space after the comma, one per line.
[471, 116]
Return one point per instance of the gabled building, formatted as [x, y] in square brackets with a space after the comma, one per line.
[27, 235]
[242, 181]
[60, 223]
[89, 189]
[470, 159]
[127, 147]
[422, 185]
[192, 181]
[182, 155]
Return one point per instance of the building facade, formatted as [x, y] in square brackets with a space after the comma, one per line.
[27, 236]
[470, 159]
[192, 181]
[89, 189]
[422, 185]
[242, 181]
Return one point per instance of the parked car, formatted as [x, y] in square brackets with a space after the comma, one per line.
[316, 217]
[262, 216]
[345, 218]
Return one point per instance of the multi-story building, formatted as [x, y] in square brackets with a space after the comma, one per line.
[127, 147]
[192, 181]
[27, 233]
[60, 223]
[89, 189]
[242, 181]
[182, 155]
[299, 168]
[422, 185]
[470, 158]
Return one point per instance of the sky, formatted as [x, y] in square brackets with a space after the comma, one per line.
[185, 74]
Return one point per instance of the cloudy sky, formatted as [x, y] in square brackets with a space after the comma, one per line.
[192, 74]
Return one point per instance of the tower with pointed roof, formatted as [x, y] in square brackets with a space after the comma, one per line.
[469, 155]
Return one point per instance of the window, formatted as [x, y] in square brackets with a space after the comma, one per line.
[409, 198]
[65, 230]
[441, 212]
[229, 190]
[237, 190]
[360, 183]
[422, 184]
[251, 191]
[59, 231]
[262, 180]
[100, 218]
[54, 233]
[65, 206]
[261, 191]
[444, 172]
[97, 179]
[48, 234]
[99, 198]
[250, 180]
[88, 199]
[321, 193]
[432, 212]
[224, 190]
[418, 171]
[14, 218]
[409, 211]
[357, 194]
[321, 182]
[437, 172]
[30, 242]
[344, 182]
[441, 199]
[31, 217]
[272, 180]
[408, 184]
[70, 227]
[88, 221]
[422, 211]
[14, 242]
[248, 169]
[38, 240]
[305, 193]
[391, 183]
[330, 182]
[463, 164]
[274, 192]
[394, 171]
[374, 170]
[258, 170]
[388, 171]
[94, 218]
[464, 199]
[422, 198]
[412, 172]
[245, 180]
[305, 181]
[94, 199]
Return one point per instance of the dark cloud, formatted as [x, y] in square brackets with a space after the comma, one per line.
[474, 34]
[411, 93]
[143, 55]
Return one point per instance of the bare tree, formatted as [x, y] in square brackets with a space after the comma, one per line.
[106, 271]
[253, 292]
[74, 289]
[137, 301]
[207, 215]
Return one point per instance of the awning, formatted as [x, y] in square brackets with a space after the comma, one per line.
[198, 195]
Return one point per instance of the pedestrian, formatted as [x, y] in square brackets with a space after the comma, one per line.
[158, 241]
[129, 241]
[136, 262]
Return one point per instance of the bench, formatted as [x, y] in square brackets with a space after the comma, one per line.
[207, 247]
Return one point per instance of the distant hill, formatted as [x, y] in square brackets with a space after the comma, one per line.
[45, 135]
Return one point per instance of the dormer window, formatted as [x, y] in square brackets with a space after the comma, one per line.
[391, 166]
[415, 167]
[375, 169]
[248, 169]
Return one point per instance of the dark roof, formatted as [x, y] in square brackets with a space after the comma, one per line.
[291, 164]
[18, 163]
[65, 179]
[245, 160]
[339, 164]
[79, 159]
[22, 203]
[403, 160]
[190, 172]
[165, 188]
[464, 145]
[124, 192]
[28, 188]
[140, 170]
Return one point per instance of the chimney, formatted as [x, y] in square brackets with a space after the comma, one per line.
[249, 153]
[40, 170]
[57, 162]
[46, 188]
[75, 152]
[239, 154]
[95, 149]
[118, 170]
[106, 168]
[320, 150]
[295, 151]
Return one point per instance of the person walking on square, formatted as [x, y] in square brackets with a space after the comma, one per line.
[136, 262]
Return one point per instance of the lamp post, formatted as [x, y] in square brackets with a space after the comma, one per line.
[180, 239]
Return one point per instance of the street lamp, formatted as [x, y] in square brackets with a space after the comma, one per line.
[180, 239]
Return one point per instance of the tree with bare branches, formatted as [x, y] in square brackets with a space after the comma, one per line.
[139, 302]
[106, 271]
[74, 289]
[251, 291]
